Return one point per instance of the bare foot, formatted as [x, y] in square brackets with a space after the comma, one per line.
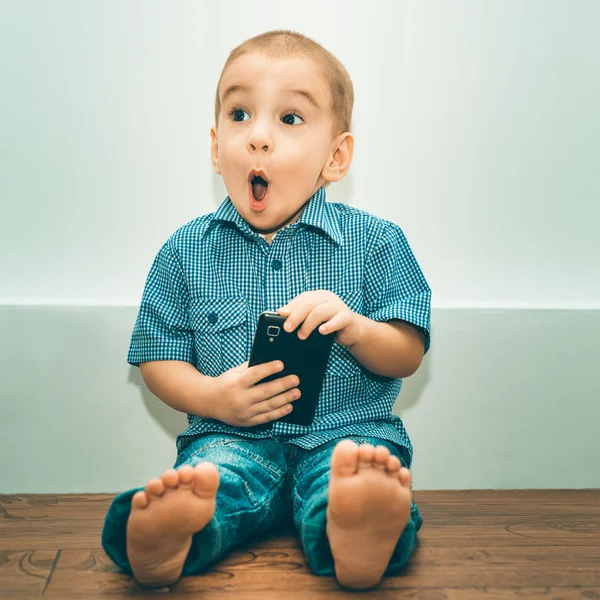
[163, 519]
[369, 506]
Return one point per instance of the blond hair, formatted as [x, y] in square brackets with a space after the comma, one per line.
[283, 42]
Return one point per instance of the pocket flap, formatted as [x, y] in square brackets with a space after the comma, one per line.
[217, 314]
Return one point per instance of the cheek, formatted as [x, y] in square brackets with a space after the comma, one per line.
[227, 146]
[230, 157]
[302, 161]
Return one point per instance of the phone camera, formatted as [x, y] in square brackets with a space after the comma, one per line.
[272, 330]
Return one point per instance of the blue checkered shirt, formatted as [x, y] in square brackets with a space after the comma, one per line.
[214, 276]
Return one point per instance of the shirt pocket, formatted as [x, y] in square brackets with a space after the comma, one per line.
[341, 362]
[220, 327]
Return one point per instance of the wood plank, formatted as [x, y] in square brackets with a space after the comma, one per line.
[508, 497]
[90, 572]
[475, 544]
[51, 536]
[437, 504]
[62, 507]
[488, 566]
[562, 530]
[37, 521]
[52, 521]
[25, 571]
[559, 528]
[539, 593]
[259, 569]
[452, 503]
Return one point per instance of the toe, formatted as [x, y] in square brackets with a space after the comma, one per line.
[381, 456]
[170, 478]
[155, 487]
[344, 461]
[206, 480]
[366, 453]
[393, 464]
[186, 474]
[139, 500]
[405, 477]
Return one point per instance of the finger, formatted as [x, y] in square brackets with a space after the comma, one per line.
[271, 389]
[337, 322]
[285, 310]
[272, 415]
[290, 306]
[318, 315]
[297, 300]
[259, 372]
[276, 402]
[297, 317]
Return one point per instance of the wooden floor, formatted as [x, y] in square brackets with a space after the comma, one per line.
[474, 545]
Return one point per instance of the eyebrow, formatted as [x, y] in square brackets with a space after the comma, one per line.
[242, 88]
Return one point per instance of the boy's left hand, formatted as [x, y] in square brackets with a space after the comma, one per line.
[322, 306]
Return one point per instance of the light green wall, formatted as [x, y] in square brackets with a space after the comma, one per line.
[476, 127]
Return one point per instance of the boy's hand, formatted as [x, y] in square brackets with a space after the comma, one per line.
[240, 402]
[322, 306]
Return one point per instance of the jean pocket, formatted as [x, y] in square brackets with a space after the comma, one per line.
[220, 327]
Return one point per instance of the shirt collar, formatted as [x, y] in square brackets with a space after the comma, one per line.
[318, 213]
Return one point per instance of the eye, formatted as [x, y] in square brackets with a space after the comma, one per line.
[237, 111]
[292, 115]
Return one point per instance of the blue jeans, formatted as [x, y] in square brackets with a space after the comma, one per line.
[262, 482]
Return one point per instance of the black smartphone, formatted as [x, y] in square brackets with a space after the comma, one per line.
[307, 359]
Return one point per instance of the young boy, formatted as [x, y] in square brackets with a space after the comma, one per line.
[283, 112]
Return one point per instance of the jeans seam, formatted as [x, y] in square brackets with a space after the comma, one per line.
[221, 443]
[299, 498]
[249, 492]
[267, 466]
[269, 504]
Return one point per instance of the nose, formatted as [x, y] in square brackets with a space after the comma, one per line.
[260, 139]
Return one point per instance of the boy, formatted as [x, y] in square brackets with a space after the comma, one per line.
[283, 112]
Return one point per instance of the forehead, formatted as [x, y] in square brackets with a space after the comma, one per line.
[275, 75]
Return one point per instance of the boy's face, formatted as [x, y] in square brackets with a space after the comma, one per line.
[270, 128]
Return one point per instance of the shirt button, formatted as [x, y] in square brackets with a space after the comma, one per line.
[276, 264]
[213, 317]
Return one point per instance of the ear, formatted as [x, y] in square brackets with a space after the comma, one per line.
[338, 163]
[214, 149]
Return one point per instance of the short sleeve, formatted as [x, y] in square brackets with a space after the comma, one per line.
[395, 287]
[162, 330]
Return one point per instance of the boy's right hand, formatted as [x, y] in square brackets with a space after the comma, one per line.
[243, 402]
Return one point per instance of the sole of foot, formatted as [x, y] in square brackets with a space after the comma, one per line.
[163, 518]
[368, 508]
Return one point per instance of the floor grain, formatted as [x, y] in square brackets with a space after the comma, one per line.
[475, 544]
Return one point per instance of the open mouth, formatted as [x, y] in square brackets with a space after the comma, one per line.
[259, 188]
